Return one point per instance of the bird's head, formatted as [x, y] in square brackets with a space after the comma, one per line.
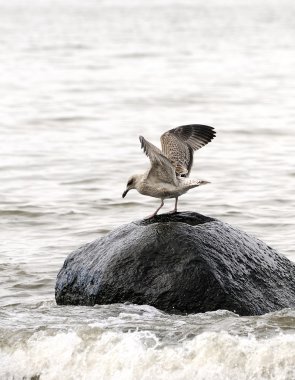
[131, 184]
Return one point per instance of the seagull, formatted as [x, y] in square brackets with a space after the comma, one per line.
[170, 167]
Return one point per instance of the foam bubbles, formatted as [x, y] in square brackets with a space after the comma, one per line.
[90, 353]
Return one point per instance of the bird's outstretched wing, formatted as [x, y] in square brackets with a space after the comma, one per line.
[179, 144]
[161, 169]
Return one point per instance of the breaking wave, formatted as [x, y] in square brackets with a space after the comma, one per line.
[91, 353]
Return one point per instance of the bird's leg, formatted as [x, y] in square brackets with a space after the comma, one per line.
[161, 205]
[175, 207]
[155, 213]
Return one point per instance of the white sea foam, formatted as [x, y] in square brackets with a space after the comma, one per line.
[93, 354]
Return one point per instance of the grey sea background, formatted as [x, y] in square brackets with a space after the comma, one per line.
[80, 81]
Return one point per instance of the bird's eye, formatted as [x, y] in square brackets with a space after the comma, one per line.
[130, 182]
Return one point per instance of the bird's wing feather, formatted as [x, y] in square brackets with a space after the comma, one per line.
[161, 169]
[179, 144]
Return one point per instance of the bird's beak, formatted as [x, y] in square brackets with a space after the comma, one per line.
[125, 192]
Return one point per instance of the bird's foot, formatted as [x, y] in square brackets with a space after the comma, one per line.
[150, 216]
[172, 212]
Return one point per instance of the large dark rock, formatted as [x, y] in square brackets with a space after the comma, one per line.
[183, 262]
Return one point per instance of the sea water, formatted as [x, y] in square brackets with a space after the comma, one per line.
[80, 81]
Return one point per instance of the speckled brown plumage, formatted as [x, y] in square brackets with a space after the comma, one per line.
[179, 144]
[170, 167]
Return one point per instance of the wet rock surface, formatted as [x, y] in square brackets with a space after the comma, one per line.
[179, 263]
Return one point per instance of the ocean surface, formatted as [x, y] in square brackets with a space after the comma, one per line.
[79, 82]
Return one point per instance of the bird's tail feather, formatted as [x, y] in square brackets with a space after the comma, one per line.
[190, 183]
